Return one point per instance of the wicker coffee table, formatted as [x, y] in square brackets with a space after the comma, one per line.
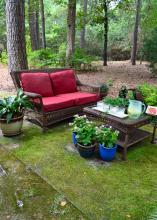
[130, 133]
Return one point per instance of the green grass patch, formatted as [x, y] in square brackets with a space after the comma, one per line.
[118, 190]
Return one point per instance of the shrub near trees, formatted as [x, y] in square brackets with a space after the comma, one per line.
[110, 29]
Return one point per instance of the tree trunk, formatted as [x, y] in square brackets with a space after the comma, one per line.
[16, 45]
[83, 31]
[33, 11]
[135, 33]
[71, 18]
[42, 23]
[105, 32]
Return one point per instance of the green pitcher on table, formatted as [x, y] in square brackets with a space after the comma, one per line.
[136, 109]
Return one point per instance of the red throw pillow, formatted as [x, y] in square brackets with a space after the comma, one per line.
[63, 82]
[38, 83]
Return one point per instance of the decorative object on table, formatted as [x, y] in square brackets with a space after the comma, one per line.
[116, 104]
[123, 92]
[85, 136]
[136, 109]
[107, 139]
[12, 112]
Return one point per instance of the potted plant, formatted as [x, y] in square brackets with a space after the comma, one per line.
[104, 88]
[86, 139]
[11, 113]
[78, 122]
[147, 93]
[107, 139]
[116, 104]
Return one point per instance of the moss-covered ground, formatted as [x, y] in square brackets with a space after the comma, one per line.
[114, 191]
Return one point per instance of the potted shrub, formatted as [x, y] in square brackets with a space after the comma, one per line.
[107, 139]
[86, 137]
[147, 93]
[11, 113]
[104, 88]
[78, 122]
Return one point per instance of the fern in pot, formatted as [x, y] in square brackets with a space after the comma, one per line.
[12, 113]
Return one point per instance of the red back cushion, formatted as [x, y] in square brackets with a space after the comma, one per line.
[38, 83]
[63, 82]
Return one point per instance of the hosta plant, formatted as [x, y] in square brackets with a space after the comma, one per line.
[13, 106]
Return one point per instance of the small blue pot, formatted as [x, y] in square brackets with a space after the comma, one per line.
[107, 154]
[74, 138]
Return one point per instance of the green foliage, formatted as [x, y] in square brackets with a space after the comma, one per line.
[105, 87]
[106, 136]
[78, 122]
[43, 58]
[149, 50]
[120, 102]
[4, 58]
[11, 106]
[149, 93]
[85, 130]
[80, 57]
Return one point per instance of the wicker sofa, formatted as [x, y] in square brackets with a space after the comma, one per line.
[56, 94]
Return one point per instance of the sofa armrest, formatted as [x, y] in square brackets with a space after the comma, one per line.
[38, 105]
[88, 87]
[32, 95]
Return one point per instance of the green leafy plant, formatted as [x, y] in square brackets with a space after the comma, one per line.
[120, 102]
[85, 130]
[13, 106]
[105, 86]
[107, 136]
[78, 122]
[86, 135]
[149, 93]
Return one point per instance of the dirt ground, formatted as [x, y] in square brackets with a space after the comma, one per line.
[120, 72]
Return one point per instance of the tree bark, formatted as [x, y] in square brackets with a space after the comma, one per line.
[43, 23]
[105, 32]
[83, 31]
[135, 33]
[71, 19]
[33, 11]
[16, 45]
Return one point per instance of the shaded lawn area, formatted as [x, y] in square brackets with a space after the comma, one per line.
[118, 190]
[40, 200]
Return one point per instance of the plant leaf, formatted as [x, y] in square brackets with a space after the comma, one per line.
[9, 117]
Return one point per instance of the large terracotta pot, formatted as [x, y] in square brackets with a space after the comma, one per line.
[13, 127]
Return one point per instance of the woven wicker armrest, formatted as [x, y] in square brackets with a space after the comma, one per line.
[38, 105]
[32, 95]
[88, 87]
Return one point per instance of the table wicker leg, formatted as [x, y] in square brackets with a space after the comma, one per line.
[125, 147]
[154, 140]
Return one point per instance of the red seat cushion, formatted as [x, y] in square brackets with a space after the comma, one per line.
[38, 83]
[81, 98]
[63, 82]
[56, 103]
